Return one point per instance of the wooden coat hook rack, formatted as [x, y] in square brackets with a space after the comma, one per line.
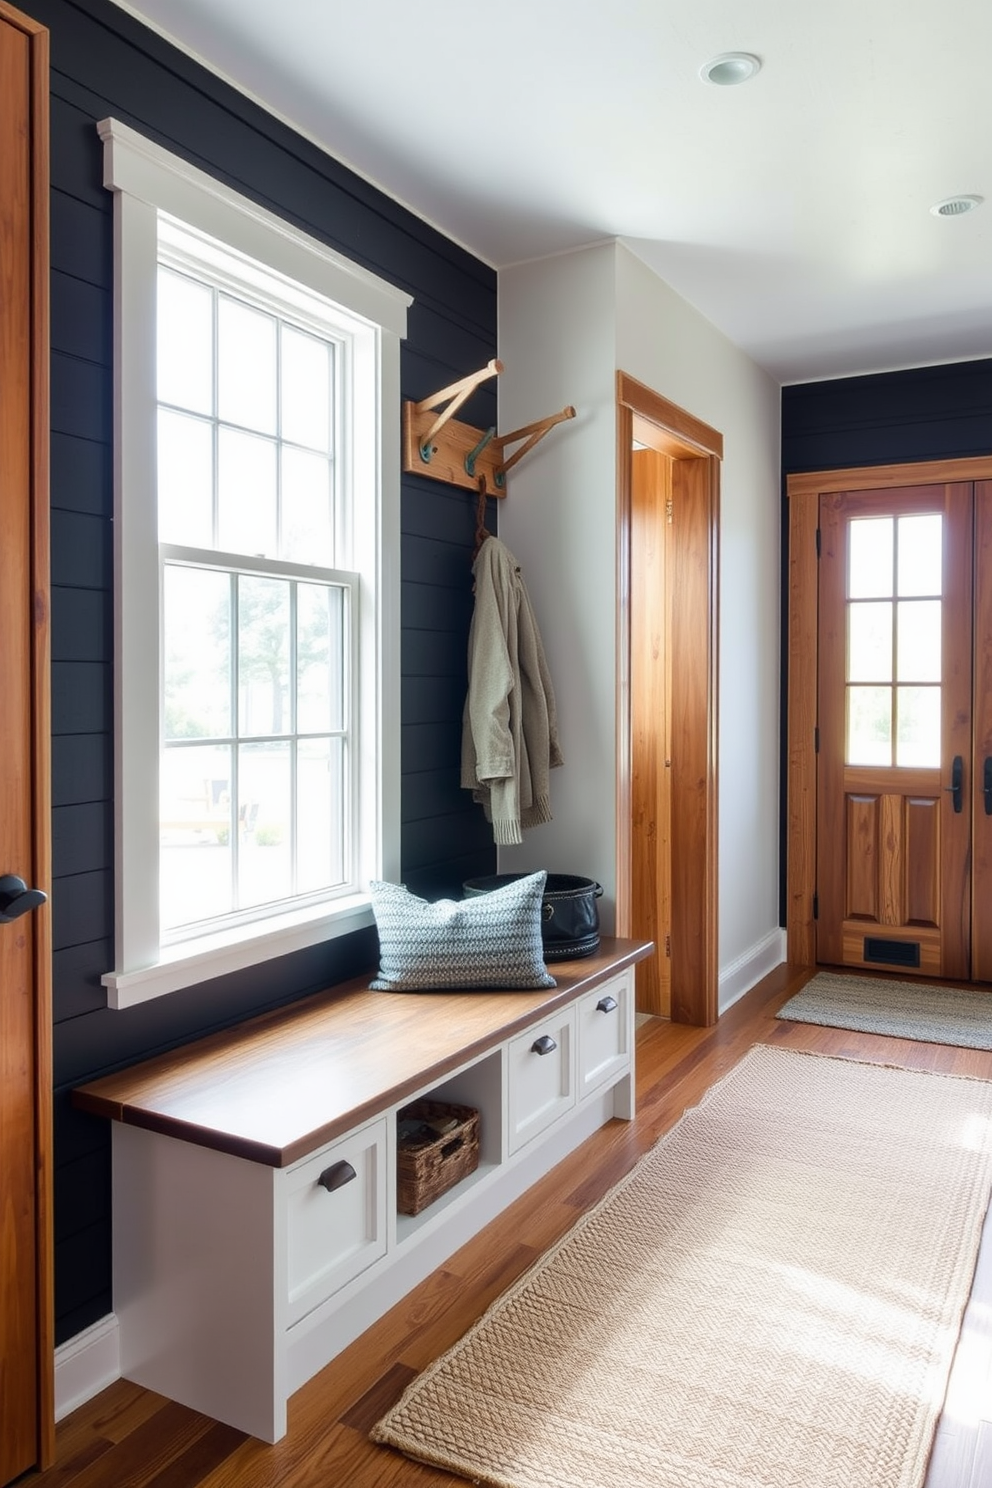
[438, 445]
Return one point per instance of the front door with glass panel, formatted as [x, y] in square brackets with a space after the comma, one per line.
[895, 777]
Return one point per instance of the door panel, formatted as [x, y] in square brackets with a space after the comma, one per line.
[26, 1425]
[895, 682]
[980, 804]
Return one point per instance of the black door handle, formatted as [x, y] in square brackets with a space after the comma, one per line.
[987, 785]
[16, 898]
[544, 1045]
[956, 786]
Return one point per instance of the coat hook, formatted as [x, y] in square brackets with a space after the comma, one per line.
[474, 454]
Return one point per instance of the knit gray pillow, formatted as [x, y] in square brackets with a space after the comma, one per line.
[487, 941]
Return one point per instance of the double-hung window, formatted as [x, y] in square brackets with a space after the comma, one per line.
[256, 564]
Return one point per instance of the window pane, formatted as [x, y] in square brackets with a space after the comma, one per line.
[265, 844]
[869, 725]
[246, 366]
[263, 656]
[919, 640]
[920, 554]
[320, 814]
[869, 642]
[185, 480]
[197, 651]
[195, 881]
[185, 342]
[306, 390]
[320, 658]
[870, 558]
[246, 494]
[307, 532]
[918, 737]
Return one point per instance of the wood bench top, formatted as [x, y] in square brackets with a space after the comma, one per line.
[280, 1086]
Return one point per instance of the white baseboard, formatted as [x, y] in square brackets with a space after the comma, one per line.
[741, 975]
[86, 1364]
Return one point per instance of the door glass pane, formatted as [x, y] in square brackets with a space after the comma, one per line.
[265, 841]
[185, 342]
[920, 556]
[197, 653]
[870, 553]
[185, 480]
[918, 645]
[306, 390]
[869, 725]
[918, 729]
[869, 642]
[320, 814]
[195, 813]
[246, 493]
[246, 366]
[263, 656]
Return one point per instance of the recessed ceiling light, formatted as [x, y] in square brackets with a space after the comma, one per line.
[730, 68]
[956, 206]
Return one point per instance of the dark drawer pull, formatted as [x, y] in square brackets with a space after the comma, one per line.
[336, 1176]
[544, 1045]
[606, 1004]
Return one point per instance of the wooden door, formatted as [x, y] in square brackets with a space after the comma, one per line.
[651, 751]
[895, 776]
[26, 1409]
[667, 703]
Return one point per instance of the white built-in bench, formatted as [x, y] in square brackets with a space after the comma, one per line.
[237, 1274]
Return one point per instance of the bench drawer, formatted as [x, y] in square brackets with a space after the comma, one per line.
[335, 1217]
[604, 1023]
[541, 1077]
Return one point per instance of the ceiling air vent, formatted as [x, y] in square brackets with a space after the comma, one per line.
[956, 206]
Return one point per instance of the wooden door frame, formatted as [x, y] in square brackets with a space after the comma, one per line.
[803, 493]
[40, 663]
[697, 450]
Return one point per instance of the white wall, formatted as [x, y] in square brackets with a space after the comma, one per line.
[566, 325]
[557, 322]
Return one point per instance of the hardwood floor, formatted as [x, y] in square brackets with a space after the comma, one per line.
[129, 1438]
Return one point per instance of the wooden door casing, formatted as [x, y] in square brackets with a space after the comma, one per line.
[893, 860]
[692, 568]
[981, 806]
[26, 1332]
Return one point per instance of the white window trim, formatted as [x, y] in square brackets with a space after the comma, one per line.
[145, 180]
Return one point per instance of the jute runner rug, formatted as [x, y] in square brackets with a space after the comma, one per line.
[912, 1010]
[771, 1299]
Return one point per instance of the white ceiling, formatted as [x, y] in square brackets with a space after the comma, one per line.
[793, 211]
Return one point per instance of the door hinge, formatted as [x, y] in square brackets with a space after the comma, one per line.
[816, 739]
[817, 542]
[816, 906]
[668, 946]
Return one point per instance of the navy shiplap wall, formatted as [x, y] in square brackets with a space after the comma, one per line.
[105, 63]
[888, 418]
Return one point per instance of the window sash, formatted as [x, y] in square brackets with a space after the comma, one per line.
[150, 185]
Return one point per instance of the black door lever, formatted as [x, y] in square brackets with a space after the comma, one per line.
[16, 898]
[956, 786]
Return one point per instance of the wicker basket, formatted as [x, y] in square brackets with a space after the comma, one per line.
[428, 1165]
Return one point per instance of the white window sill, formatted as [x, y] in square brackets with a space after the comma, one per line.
[232, 950]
